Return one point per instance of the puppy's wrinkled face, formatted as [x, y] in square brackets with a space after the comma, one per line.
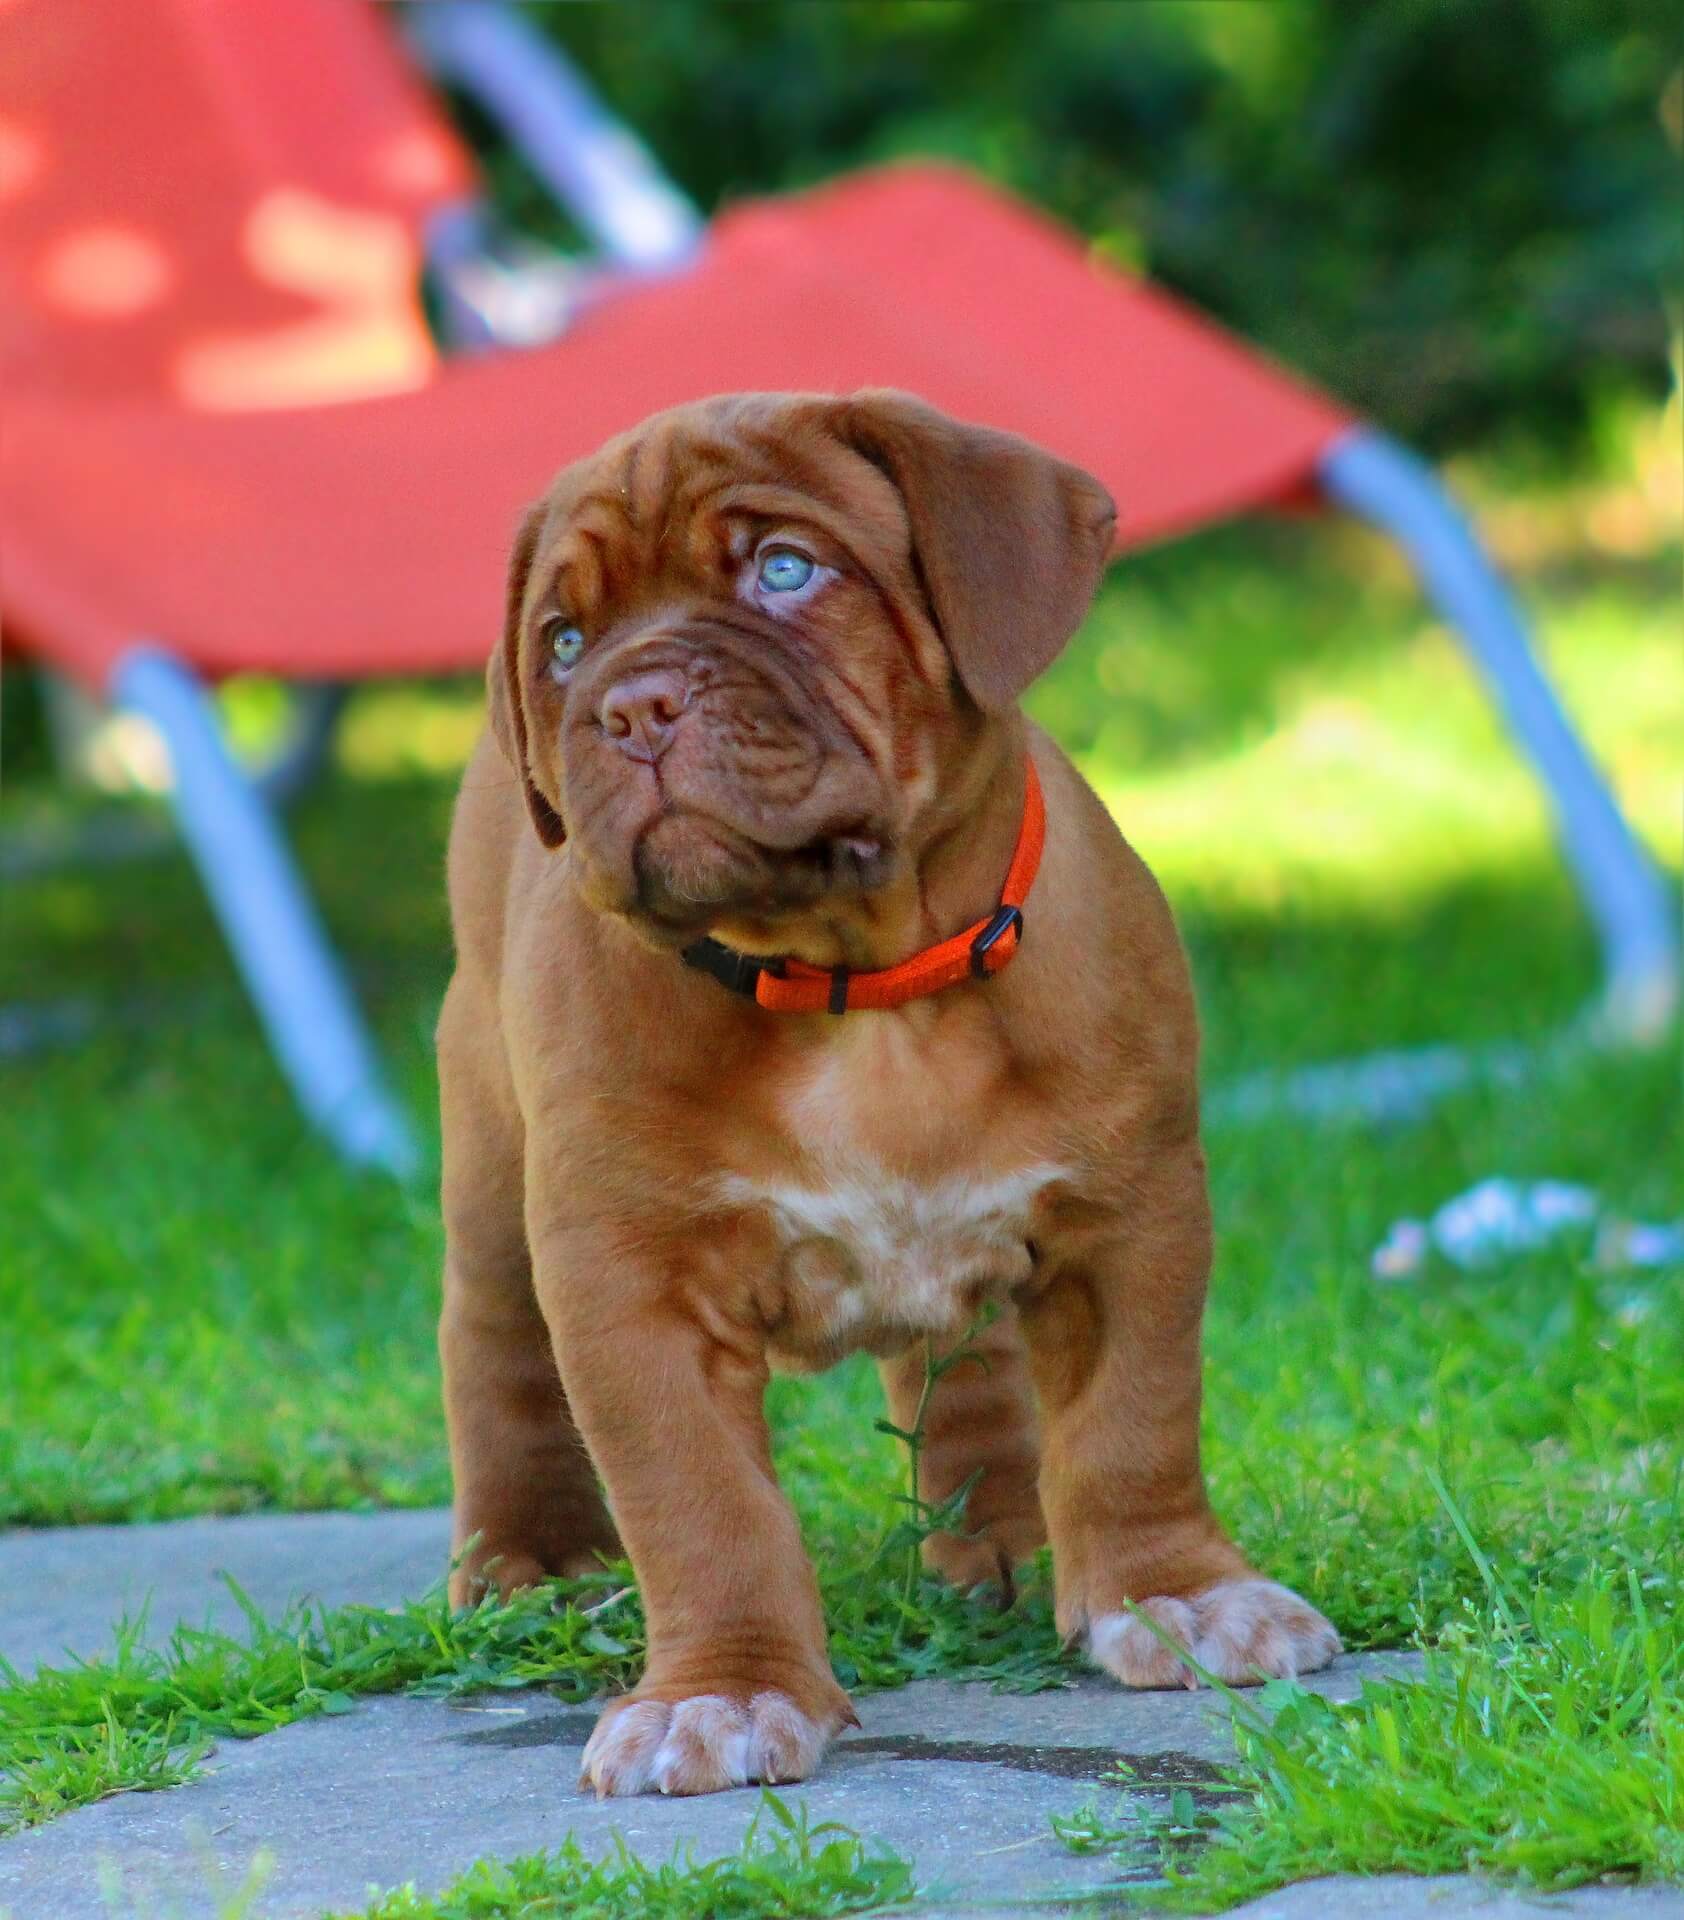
[740, 721]
[740, 663]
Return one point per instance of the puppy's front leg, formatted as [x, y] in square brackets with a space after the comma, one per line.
[668, 1394]
[1114, 1338]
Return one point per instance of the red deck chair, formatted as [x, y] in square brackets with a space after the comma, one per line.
[230, 444]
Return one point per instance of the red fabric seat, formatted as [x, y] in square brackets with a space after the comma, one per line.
[199, 239]
[368, 537]
[164, 165]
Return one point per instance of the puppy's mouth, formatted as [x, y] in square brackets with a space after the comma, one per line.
[690, 870]
[752, 812]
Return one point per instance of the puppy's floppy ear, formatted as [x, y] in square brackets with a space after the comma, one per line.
[1010, 542]
[504, 681]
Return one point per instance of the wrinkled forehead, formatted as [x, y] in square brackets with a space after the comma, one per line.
[692, 487]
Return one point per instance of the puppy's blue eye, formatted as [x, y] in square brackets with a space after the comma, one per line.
[566, 643]
[783, 570]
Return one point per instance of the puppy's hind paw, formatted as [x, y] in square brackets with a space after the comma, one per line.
[701, 1745]
[1242, 1631]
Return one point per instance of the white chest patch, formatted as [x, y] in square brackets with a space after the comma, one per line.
[871, 1260]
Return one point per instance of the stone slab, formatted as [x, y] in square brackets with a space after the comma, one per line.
[1394, 1896]
[1387, 1896]
[960, 1780]
[63, 1589]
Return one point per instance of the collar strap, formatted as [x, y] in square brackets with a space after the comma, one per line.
[791, 986]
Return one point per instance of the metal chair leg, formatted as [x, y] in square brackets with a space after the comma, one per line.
[301, 994]
[317, 705]
[1627, 897]
[593, 164]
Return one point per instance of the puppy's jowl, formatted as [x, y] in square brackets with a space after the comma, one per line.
[807, 1000]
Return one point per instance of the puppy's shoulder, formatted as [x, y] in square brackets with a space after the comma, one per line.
[1113, 979]
[1107, 895]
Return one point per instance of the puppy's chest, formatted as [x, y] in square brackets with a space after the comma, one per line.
[895, 1207]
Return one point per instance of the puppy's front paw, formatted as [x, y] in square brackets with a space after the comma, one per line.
[1242, 1631]
[702, 1743]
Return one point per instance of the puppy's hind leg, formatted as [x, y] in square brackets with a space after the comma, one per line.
[527, 1504]
[979, 1419]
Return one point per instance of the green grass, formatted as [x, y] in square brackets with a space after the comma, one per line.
[787, 1867]
[1544, 1746]
[57, 1766]
[143, 1717]
[788, 1870]
[206, 1314]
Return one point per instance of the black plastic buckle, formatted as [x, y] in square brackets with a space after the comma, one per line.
[991, 936]
[734, 971]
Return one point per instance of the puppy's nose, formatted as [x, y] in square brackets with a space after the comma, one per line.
[640, 714]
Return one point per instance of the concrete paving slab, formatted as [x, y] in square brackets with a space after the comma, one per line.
[960, 1780]
[63, 1589]
[1394, 1896]
[1389, 1896]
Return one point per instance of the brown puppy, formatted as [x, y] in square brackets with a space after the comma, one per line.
[758, 683]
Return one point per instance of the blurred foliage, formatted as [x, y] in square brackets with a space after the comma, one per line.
[1458, 215]
[23, 726]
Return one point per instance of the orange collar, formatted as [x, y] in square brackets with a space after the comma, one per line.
[791, 986]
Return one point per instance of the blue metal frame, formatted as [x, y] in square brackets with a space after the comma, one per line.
[1628, 900]
[302, 997]
[596, 168]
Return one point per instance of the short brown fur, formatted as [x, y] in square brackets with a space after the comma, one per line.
[655, 1191]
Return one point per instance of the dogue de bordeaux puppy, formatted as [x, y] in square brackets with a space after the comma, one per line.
[807, 1000]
